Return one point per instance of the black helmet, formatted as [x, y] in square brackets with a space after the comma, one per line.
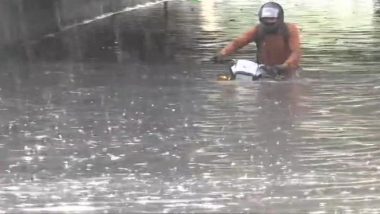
[271, 10]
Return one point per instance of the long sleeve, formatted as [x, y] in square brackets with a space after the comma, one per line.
[240, 42]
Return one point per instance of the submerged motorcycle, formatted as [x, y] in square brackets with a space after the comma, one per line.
[251, 69]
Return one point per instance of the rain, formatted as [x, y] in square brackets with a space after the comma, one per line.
[113, 106]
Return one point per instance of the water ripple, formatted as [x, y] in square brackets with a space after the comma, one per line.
[153, 138]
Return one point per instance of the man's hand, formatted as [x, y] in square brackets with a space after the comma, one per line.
[217, 58]
[280, 69]
[276, 70]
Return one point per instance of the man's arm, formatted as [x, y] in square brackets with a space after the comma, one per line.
[240, 42]
[293, 61]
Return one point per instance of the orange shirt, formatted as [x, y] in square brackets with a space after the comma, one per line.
[273, 50]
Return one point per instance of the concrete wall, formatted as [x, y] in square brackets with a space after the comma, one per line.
[73, 10]
[24, 20]
[155, 34]
[9, 21]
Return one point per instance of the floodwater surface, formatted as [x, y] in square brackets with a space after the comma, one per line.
[124, 114]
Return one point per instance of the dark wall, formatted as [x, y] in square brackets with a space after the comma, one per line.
[9, 21]
[140, 35]
[25, 20]
[71, 11]
[151, 34]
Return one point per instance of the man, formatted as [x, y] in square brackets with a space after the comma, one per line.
[278, 43]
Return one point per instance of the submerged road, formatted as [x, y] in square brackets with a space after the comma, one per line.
[124, 114]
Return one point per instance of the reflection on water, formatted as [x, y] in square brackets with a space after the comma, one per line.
[125, 115]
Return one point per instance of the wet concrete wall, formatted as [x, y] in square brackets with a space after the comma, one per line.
[22, 20]
[71, 11]
[26, 19]
[147, 34]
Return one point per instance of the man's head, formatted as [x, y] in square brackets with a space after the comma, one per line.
[271, 16]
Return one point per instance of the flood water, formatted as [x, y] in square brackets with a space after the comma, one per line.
[124, 114]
